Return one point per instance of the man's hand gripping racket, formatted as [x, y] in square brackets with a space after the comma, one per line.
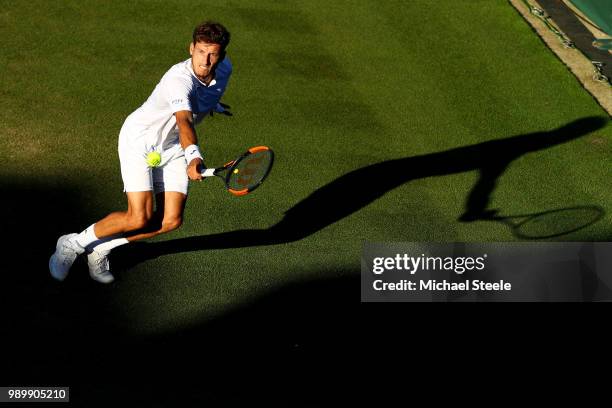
[244, 174]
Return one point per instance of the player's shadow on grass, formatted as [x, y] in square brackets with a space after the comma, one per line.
[358, 188]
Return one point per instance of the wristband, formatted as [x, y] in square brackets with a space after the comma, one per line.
[192, 152]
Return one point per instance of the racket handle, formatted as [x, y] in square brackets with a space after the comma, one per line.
[208, 172]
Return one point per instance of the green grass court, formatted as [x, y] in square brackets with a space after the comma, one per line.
[332, 87]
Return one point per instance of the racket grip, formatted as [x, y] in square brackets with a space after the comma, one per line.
[208, 173]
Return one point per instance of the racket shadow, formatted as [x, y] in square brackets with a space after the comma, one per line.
[551, 223]
[354, 190]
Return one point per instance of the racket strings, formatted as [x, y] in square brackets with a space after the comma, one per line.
[250, 171]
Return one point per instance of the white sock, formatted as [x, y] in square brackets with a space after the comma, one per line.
[105, 247]
[99, 241]
[86, 237]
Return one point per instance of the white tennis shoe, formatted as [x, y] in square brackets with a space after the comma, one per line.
[99, 267]
[66, 252]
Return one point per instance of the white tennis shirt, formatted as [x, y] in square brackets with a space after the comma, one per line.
[153, 125]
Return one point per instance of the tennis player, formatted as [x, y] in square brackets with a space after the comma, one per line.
[165, 123]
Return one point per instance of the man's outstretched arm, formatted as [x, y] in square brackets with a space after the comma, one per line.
[189, 143]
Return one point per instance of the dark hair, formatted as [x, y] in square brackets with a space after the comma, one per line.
[212, 33]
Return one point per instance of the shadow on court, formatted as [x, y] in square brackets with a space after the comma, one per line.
[37, 312]
[352, 191]
[34, 214]
[286, 348]
[308, 341]
[550, 223]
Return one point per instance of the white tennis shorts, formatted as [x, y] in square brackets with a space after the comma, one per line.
[137, 175]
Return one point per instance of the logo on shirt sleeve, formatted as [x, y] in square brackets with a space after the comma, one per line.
[177, 101]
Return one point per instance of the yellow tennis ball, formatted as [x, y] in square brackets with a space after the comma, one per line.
[236, 171]
[153, 159]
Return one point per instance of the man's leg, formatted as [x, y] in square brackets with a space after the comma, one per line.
[140, 221]
[167, 217]
[172, 183]
[137, 216]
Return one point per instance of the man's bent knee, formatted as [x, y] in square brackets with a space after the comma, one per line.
[171, 224]
[138, 221]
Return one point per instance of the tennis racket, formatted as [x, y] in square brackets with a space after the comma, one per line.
[244, 174]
